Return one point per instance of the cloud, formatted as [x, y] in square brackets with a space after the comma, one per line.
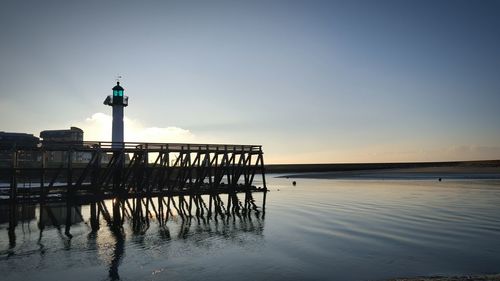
[98, 127]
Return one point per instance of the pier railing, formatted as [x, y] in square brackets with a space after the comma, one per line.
[79, 170]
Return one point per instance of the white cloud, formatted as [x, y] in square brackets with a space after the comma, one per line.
[98, 127]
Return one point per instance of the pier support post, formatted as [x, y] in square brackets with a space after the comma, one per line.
[117, 176]
[97, 155]
[42, 176]
[68, 219]
[210, 205]
[12, 225]
[264, 201]
[13, 176]
[69, 190]
[94, 219]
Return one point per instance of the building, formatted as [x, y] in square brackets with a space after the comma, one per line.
[22, 141]
[73, 135]
[19, 140]
[53, 139]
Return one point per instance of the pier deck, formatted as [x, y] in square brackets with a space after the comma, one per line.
[86, 171]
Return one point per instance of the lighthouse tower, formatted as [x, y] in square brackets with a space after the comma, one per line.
[118, 101]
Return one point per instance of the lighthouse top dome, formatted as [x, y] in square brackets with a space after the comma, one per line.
[117, 87]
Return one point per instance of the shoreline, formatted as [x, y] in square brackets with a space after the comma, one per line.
[443, 173]
[337, 167]
[429, 170]
[488, 277]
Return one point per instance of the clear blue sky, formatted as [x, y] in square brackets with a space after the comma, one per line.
[312, 81]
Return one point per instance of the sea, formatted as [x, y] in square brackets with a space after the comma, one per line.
[315, 229]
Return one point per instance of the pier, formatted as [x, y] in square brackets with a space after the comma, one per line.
[84, 172]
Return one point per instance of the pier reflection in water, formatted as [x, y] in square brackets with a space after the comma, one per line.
[100, 234]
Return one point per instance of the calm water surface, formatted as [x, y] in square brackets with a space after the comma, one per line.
[317, 230]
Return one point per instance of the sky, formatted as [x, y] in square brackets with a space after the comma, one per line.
[311, 81]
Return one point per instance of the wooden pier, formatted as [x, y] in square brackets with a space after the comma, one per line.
[89, 171]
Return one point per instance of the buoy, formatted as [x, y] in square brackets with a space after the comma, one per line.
[294, 183]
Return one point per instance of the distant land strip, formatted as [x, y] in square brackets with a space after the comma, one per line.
[454, 278]
[344, 167]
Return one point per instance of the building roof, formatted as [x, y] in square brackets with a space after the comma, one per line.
[51, 133]
[10, 134]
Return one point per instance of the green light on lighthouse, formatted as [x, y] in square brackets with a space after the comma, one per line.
[118, 93]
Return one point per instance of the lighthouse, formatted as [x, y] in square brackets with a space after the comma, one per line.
[118, 101]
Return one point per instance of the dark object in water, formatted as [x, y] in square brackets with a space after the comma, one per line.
[439, 179]
[294, 183]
